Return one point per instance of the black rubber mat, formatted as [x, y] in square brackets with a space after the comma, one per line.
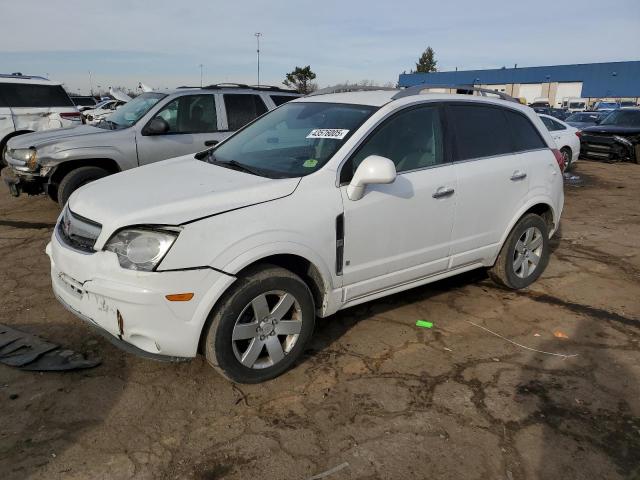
[29, 352]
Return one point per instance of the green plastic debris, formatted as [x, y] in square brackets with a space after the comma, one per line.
[424, 324]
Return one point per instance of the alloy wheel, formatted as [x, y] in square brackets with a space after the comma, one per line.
[528, 252]
[267, 329]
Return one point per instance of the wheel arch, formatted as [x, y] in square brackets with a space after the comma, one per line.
[539, 206]
[63, 168]
[297, 263]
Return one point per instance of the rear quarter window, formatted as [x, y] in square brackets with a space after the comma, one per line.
[34, 96]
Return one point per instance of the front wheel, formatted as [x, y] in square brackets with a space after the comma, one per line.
[260, 327]
[524, 255]
[76, 179]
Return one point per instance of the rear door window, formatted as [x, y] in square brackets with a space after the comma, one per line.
[525, 134]
[480, 131]
[280, 99]
[34, 96]
[242, 108]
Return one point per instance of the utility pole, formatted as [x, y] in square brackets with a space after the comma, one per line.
[90, 83]
[258, 35]
[201, 74]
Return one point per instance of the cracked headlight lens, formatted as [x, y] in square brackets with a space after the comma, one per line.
[141, 249]
[27, 155]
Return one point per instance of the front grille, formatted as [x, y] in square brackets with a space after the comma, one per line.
[77, 232]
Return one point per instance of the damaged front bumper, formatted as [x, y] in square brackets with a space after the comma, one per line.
[609, 148]
[29, 184]
[130, 307]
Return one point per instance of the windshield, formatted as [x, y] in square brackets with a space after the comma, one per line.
[623, 118]
[131, 112]
[602, 105]
[292, 141]
[576, 105]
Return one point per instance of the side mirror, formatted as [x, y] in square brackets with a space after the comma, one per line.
[157, 126]
[373, 169]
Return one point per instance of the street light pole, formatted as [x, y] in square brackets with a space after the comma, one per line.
[201, 74]
[258, 35]
[90, 83]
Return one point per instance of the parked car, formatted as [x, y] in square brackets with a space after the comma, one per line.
[101, 111]
[566, 139]
[31, 104]
[605, 106]
[582, 120]
[151, 127]
[615, 138]
[540, 102]
[324, 203]
[553, 112]
[84, 102]
[574, 104]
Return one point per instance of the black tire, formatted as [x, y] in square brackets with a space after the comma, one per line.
[235, 308]
[77, 178]
[567, 155]
[3, 151]
[504, 271]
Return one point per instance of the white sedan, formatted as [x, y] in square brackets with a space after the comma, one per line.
[566, 138]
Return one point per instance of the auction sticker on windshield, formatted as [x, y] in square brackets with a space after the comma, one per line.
[337, 133]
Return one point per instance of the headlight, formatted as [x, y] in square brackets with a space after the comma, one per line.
[27, 155]
[139, 249]
[623, 140]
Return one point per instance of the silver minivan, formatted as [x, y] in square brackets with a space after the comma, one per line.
[152, 127]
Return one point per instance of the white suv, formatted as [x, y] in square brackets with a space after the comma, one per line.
[324, 203]
[31, 104]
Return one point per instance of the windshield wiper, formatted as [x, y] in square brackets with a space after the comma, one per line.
[235, 165]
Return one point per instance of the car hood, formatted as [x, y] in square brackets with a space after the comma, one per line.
[173, 192]
[50, 137]
[613, 129]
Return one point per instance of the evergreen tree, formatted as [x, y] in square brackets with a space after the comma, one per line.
[426, 62]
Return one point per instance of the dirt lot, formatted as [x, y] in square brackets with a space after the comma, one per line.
[389, 399]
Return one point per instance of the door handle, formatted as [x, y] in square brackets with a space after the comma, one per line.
[518, 175]
[211, 143]
[443, 192]
[3, 118]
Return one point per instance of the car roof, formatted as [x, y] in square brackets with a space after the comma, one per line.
[233, 88]
[378, 98]
[26, 79]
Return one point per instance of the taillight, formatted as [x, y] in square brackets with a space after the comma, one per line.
[579, 133]
[559, 158]
[71, 115]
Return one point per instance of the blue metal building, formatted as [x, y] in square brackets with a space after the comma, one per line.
[599, 80]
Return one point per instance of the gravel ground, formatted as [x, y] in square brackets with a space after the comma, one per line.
[374, 395]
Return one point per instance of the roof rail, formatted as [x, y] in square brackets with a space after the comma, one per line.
[462, 89]
[24, 77]
[226, 85]
[347, 88]
[272, 88]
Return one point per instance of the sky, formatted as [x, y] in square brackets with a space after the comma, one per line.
[162, 43]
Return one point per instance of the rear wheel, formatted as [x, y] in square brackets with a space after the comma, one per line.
[260, 327]
[566, 155]
[524, 255]
[75, 179]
